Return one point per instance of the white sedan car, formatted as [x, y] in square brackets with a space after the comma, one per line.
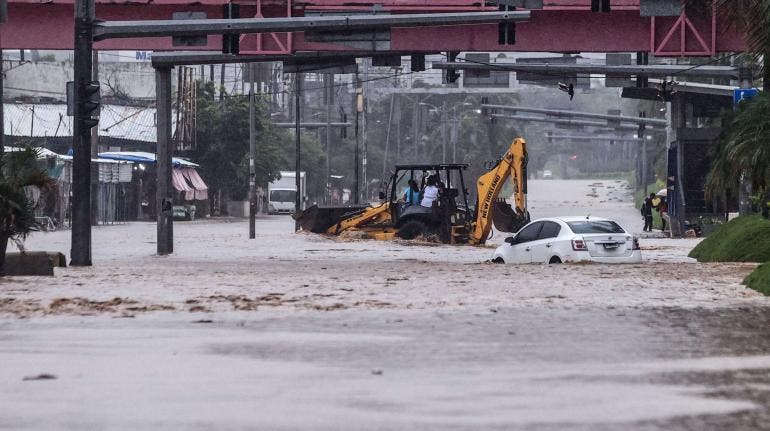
[570, 239]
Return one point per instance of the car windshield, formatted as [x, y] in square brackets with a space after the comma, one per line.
[604, 226]
[282, 195]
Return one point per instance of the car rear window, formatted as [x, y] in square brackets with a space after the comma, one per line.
[595, 227]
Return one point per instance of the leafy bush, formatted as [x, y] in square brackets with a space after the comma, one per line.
[745, 239]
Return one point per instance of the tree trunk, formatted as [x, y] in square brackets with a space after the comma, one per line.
[3, 248]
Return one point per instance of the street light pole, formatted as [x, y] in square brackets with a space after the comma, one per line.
[298, 77]
[252, 156]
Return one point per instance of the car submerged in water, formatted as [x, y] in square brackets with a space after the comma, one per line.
[570, 239]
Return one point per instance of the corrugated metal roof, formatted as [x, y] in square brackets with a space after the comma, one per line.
[41, 120]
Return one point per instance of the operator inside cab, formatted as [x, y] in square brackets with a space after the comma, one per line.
[430, 193]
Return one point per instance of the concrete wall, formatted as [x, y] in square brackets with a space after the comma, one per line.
[48, 79]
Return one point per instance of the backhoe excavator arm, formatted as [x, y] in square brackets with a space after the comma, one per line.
[513, 164]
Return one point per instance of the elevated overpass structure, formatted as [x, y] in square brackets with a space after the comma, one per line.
[555, 26]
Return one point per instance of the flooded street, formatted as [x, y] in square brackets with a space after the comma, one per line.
[299, 331]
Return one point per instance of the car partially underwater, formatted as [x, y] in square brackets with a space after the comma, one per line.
[570, 239]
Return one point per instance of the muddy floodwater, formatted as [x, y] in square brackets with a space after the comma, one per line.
[299, 331]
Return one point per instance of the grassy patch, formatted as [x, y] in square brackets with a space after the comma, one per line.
[759, 279]
[745, 239]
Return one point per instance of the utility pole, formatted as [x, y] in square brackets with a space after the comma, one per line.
[364, 108]
[222, 83]
[442, 119]
[387, 135]
[298, 77]
[80, 252]
[416, 128]
[252, 156]
[641, 134]
[398, 128]
[328, 88]
[453, 134]
[358, 106]
[94, 152]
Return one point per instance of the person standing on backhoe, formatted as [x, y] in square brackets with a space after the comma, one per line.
[430, 194]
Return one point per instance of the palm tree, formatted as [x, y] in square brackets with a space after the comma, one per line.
[741, 151]
[743, 148]
[19, 172]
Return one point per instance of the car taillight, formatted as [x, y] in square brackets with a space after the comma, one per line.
[636, 244]
[579, 244]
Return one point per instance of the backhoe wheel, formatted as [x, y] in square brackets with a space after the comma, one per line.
[412, 229]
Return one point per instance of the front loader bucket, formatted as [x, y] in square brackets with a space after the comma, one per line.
[319, 219]
[507, 219]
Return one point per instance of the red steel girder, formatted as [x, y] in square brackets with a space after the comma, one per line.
[561, 26]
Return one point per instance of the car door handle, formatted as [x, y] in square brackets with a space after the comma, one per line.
[548, 245]
[526, 249]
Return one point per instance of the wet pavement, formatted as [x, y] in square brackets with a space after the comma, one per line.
[296, 331]
[561, 368]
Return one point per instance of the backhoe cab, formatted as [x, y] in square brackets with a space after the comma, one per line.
[449, 219]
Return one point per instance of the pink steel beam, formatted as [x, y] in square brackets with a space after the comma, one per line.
[680, 28]
[279, 43]
[564, 26]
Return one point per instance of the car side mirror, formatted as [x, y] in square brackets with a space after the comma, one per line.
[510, 240]
[381, 195]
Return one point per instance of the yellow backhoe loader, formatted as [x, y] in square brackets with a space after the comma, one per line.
[450, 218]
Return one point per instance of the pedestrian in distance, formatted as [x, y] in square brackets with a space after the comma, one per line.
[647, 207]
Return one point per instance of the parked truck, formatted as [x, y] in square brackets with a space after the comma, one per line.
[281, 193]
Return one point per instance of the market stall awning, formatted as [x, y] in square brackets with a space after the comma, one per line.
[144, 157]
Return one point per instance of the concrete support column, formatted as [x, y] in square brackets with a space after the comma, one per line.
[164, 190]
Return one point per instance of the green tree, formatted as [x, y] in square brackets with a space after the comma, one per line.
[19, 171]
[223, 142]
[742, 148]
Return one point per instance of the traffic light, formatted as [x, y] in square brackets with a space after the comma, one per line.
[231, 42]
[90, 101]
[567, 88]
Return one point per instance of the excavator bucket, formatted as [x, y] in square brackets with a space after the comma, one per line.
[319, 219]
[507, 219]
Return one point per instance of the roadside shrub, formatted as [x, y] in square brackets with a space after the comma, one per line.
[759, 279]
[744, 239]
